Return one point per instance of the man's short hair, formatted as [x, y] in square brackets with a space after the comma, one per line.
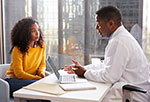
[109, 12]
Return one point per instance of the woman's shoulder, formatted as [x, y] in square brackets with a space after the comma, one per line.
[43, 45]
[16, 49]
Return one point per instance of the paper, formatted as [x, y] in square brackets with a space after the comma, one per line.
[46, 88]
[77, 86]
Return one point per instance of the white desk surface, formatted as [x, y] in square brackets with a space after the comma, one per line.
[95, 95]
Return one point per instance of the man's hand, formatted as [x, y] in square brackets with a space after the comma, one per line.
[69, 69]
[77, 69]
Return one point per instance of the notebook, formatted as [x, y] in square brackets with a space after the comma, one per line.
[70, 81]
[46, 88]
[77, 86]
[63, 78]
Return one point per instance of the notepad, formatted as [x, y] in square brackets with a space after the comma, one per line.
[77, 86]
[46, 88]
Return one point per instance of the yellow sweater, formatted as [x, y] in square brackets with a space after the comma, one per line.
[29, 66]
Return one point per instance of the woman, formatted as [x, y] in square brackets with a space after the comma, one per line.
[28, 54]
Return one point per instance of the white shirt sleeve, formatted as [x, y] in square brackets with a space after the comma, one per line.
[95, 66]
[116, 56]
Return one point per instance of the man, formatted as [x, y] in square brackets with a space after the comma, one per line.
[124, 60]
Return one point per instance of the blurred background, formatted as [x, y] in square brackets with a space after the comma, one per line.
[69, 26]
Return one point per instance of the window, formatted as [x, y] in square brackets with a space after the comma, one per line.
[69, 25]
[0, 53]
[146, 28]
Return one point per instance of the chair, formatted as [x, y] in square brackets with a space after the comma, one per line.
[127, 89]
[4, 86]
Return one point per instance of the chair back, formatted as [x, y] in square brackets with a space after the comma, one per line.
[3, 69]
[4, 86]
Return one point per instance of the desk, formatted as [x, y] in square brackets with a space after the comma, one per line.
[73, 96]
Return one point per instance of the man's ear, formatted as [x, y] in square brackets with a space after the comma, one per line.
[111, 24]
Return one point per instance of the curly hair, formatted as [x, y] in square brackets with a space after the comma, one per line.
[21, 35]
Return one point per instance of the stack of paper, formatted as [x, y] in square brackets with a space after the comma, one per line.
[46, 88]
[77, 86]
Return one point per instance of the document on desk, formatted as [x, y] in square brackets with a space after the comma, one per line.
[77, 86]
[46, 88]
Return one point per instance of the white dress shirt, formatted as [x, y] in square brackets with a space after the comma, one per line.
[124, 61]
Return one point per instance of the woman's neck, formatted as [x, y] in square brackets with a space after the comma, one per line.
[32, 45]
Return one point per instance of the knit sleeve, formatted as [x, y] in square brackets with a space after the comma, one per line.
[17, 60]
[42, 66]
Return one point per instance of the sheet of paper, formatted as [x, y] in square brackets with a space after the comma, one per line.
[77, 86]
[46, 88]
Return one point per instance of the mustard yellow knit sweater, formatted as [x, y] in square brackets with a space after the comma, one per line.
[28, 66]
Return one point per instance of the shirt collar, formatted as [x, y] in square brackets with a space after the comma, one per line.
[111, 36]
[117, 30]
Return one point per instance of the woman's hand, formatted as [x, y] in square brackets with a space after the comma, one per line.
[42, 75]
[37, 77]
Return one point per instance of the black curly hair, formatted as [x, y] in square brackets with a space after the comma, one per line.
[21, 35]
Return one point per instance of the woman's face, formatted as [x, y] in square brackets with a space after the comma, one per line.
[35, 33]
